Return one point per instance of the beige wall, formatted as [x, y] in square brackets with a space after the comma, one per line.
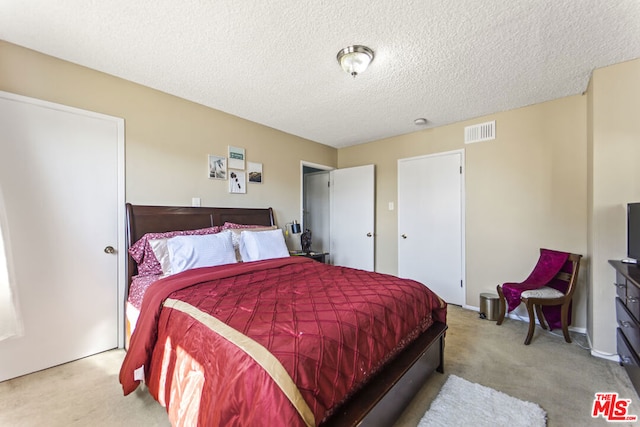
[524, 190]
[557, 175]
[614, 176]
[168, 138]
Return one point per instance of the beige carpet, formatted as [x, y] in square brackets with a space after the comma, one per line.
[82, 393]
[561, 378]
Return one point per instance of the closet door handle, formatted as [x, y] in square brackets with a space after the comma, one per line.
[109, 250]
[369, 234]
[404, 236]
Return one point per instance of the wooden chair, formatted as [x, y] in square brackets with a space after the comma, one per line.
[546, 296]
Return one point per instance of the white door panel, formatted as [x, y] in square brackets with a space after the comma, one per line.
[60, 174]
[430, 223]
[352, 217]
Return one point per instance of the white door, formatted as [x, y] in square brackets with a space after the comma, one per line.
[316, 209]
[430, 223]
[352, 217]
[60, 173]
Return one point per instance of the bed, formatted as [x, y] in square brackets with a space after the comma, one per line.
[207, 359]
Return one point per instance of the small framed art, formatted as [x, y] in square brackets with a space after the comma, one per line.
[237, 181]
[217, 167]
[236, 158]
[255, 172]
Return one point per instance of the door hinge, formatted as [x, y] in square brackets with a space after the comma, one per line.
[461, 170]
[461, 283]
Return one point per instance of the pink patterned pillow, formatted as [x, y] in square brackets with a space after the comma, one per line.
[143, 255]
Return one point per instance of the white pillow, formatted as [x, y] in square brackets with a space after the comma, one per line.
[235, 236]
[258, 245]
[186, 252]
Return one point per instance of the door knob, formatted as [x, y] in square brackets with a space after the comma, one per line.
[404, 236]
[109, 250]
[369, 234]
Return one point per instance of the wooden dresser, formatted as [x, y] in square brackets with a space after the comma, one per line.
[628, 316]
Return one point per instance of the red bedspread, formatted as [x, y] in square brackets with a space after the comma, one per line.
[330, 328]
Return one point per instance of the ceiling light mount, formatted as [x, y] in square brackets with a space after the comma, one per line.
[355, 59]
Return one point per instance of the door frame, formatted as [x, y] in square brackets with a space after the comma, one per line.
[121, 247]
[463, 246]
[304, 163]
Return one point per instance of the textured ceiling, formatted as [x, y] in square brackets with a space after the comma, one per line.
[274, 62]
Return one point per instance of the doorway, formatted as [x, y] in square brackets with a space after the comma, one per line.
[316, 209]
[316, 204]
[338, 207]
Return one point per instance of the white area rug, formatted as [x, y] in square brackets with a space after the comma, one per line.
[463, 403]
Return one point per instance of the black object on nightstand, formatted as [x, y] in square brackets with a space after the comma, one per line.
[305, 241]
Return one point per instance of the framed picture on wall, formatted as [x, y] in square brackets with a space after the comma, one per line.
[236, 158]
[255, 172]
[217, 167]
[237, 181]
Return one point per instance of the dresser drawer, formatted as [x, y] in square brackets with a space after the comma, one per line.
[628, 325]
[633, 300]
[621, 286]
[629, 360]
[626, 353]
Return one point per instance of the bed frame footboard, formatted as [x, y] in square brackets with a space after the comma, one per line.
[384, 398]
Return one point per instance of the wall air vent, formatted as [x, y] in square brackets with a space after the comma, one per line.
[480, 132]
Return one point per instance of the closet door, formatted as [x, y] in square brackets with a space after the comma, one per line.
[430, 223]
[61, 173]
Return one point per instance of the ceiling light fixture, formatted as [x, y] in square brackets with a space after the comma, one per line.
[355, 59]
[421, 121]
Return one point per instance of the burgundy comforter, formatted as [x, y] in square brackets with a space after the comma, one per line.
[330, 328]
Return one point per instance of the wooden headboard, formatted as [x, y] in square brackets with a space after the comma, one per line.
[157, 219]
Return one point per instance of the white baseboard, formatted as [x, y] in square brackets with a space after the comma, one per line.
[515, 316]
[601, 355]
[611, 357]
[583, 331]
